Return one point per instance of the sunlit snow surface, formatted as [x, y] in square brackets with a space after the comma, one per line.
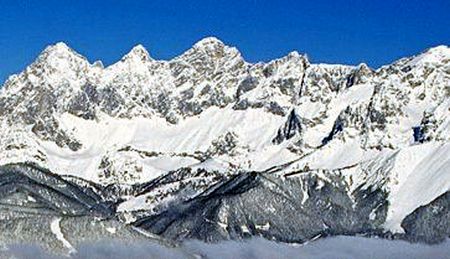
[337, 247]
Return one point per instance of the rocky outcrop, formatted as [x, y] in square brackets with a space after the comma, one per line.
[292, 127]
[429, 223]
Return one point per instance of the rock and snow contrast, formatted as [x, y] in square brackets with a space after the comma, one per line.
[208, 146]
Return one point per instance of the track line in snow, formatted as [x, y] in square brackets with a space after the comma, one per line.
[56, 229]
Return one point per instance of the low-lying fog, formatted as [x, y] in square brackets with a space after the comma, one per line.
[336, 247]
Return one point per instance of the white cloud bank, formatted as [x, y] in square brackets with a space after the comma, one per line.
[336, 247]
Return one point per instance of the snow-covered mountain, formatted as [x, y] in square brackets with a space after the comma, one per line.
[285, 149]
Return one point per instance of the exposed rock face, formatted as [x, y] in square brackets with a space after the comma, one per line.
[291, 128]
[429, 223]
[209, 146]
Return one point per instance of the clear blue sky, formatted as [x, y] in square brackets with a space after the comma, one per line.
[349, 32]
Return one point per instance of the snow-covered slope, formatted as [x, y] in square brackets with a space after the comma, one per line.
[208, 109]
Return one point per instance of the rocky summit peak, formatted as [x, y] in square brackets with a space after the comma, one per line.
[439, 52]
[209, 48]
[209, 42]
[294, 54]
[439, 48]
[138, 52]
[60, 61]
[210, 45]
[59, 49]
[432, 55]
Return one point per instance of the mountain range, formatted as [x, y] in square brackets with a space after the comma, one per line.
[209, 146]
